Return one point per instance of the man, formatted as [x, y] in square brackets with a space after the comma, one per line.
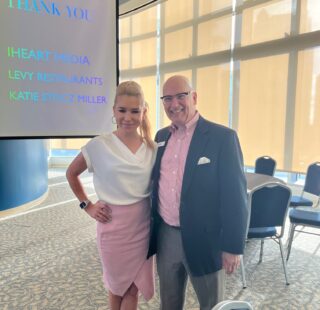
[199, 201]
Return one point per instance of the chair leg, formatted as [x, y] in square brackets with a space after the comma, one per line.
[261, 251]
[243, 273]
[292, 229]
[283, 262]
[289, 234]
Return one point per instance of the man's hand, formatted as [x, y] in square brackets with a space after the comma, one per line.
[99, 211]
[230, 262]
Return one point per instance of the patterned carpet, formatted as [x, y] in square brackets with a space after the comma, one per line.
[49, 261]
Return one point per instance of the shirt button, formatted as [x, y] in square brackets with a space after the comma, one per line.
[173, 172]
[175, 155]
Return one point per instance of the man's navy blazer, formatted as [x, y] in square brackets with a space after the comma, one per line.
[213, 206]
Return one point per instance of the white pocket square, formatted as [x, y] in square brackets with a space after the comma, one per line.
[203, 160]
[162, 143]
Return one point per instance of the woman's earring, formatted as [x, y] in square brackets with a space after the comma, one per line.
[113, 120]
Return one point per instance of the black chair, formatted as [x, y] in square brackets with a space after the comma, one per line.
[305, 218]
[265, 165]
[311, 186]
[269, 205]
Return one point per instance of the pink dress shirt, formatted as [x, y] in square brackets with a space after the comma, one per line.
[172, 170]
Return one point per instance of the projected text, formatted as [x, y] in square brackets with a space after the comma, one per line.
[46, 56]
[51, 8]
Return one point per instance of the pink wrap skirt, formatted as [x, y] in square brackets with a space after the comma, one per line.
[123, 246]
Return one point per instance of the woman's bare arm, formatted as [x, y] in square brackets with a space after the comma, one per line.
[99, 210]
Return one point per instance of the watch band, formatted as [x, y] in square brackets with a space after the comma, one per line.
[84, 204]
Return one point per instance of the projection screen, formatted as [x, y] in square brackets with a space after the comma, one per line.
[58, 67]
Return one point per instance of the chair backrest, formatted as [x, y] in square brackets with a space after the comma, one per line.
[233, 305]
[265, 165]
[269, 205]
[312, 184]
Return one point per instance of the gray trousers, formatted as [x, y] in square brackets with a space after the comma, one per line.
[173, 274]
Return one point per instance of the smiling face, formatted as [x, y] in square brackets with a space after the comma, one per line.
[179, 100]
[128, 112]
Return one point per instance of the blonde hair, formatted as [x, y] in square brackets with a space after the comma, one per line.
[131, 88]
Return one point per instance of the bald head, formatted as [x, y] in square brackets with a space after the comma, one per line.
[177, 81]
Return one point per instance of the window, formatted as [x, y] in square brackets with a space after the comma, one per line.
[254, 64]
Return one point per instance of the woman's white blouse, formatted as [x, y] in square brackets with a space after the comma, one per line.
[120, 177]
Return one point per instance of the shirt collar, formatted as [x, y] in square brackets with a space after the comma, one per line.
[188, 126]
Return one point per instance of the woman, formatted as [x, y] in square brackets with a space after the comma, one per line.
[121, 164]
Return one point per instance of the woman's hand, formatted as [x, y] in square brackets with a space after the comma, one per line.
[100, 211]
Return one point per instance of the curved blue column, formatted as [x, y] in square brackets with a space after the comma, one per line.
[23, 172]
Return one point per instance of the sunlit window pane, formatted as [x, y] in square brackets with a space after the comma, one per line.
[144, 53]
[306, 148]
[68, 144]
[148, 84]
[262, 108]
[178, 45]
[214, 35]
[124, 27]
[310, 15]
[144, 22]
[265, 22]
[178, 11]
[209, 6]
[124, 51]
[213, 93]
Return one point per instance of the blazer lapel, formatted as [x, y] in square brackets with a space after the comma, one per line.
[198, 142]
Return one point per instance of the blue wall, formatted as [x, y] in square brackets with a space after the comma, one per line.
[23, 172]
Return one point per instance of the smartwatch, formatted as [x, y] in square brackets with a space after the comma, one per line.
[84, 204]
